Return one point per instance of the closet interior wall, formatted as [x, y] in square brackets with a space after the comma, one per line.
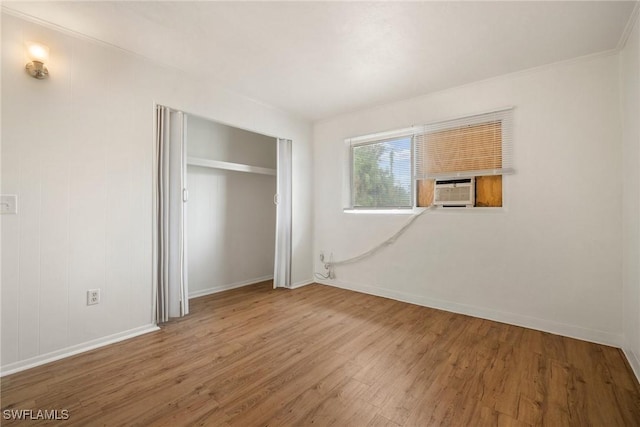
[231, 215]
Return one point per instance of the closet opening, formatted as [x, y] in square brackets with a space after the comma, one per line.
[223, 209]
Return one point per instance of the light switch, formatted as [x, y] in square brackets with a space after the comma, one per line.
[8, 204]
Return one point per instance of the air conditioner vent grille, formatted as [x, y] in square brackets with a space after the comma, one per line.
[456, 192]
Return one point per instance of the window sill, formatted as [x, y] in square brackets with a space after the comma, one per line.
[384, 211]
[433, 209]
[474, 210]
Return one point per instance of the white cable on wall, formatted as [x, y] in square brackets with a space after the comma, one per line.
[331, 264]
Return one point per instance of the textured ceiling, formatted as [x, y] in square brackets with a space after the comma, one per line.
[320, 59]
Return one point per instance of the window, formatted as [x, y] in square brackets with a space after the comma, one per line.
[382, 174]
[399, 169]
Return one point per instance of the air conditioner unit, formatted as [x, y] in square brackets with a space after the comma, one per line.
[455, 193]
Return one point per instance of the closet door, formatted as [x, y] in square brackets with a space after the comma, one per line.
[184, 197]
[172, 290]
[178, 292]
[282, 268]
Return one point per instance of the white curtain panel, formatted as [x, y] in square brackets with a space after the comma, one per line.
[282, 268]
[171, 291]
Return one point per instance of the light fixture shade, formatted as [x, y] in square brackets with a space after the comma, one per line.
[37, 52]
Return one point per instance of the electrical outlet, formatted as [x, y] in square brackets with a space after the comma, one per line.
[93, 296]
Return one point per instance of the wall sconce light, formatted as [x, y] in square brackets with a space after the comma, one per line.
[38, 54]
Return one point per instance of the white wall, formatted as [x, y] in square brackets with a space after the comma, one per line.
[231, 217]
[210, 140]
[551, 258]
[630, 103]
[78, 150]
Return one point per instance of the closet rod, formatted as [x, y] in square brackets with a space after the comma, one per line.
[239, 167]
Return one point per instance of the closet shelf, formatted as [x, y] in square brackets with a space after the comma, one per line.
[217, 164]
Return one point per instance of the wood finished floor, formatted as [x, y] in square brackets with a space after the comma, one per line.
[324, 356]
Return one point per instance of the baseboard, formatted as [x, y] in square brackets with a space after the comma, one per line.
[634, 361]
[220, 288]
[301, 284]
[22, 365]
[572, 331]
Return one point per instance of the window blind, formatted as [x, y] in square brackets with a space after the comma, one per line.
[478, 145]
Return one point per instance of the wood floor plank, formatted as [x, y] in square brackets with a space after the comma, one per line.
[319, 355]
[380, 421]
[297, 408]
[341, 407]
